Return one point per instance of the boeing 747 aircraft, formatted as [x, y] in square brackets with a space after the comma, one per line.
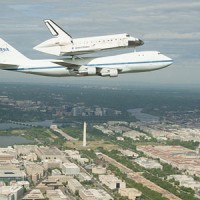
[64, 45]
[12, 60]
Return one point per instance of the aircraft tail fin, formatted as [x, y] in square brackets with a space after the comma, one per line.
[57, 31]
[9, 55]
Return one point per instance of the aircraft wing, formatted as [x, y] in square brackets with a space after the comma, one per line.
[66, 64]
[81, 68]
[7, 65]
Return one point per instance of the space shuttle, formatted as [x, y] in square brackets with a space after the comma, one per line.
[62, 43]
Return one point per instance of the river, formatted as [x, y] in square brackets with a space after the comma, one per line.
[6, 126]
[143, 117]
[11, 140]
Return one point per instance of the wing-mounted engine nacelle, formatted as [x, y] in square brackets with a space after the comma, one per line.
[109, 72]
[84, 70]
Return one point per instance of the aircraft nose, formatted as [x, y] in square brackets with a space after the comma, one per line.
[168, 60]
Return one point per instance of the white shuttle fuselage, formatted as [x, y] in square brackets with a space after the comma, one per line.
[64, 45]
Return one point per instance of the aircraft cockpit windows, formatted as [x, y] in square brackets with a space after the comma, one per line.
[127, 35]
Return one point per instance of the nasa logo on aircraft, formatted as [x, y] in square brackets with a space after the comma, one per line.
[4, 49]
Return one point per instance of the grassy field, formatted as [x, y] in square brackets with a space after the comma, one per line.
[91, 145]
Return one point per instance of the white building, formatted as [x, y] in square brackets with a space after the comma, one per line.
[52, 163]
[11, 192]
[98, 170]
[60, 178]
[25, 184]
[76, 156]
[25, 149]
[135, 135]
[128, 153]
[74, 185]
[113, 123]
[36, 171]
[9, 175]
[56, 195]
[130, 193]
[56, 172]
[112, 181]
[84, 177]
[120, 138]
[186, 181]
[93, 194]
[8, 153]
[49, 153]
[70, 169]
[34, 194]
[72, 154]
[31, 157]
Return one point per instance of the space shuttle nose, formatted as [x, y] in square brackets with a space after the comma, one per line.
[135, 42]
[141, 42]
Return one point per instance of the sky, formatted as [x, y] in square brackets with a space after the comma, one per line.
[171, 27]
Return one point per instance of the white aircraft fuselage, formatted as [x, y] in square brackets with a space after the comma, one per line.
[104, 66]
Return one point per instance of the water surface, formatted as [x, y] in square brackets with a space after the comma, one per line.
[12, 140]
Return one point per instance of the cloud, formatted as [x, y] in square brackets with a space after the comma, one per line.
[172, 6]
[173, 35]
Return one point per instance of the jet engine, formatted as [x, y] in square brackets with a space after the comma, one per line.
[84, 70]
[109, 72]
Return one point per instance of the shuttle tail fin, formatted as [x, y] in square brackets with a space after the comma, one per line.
[53, 46]
[57, 31]
[9, 55]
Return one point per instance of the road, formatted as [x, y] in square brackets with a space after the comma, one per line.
[56, 129]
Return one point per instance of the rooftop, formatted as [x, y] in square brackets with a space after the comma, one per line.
[49, 151]
[34, 194]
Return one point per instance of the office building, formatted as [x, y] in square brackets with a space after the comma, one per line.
[70, 169]
[112, 182]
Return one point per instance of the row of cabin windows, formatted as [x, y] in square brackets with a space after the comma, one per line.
[102, 41]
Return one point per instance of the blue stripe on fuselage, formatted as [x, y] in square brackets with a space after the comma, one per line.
[129, 63]
[89, 65]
